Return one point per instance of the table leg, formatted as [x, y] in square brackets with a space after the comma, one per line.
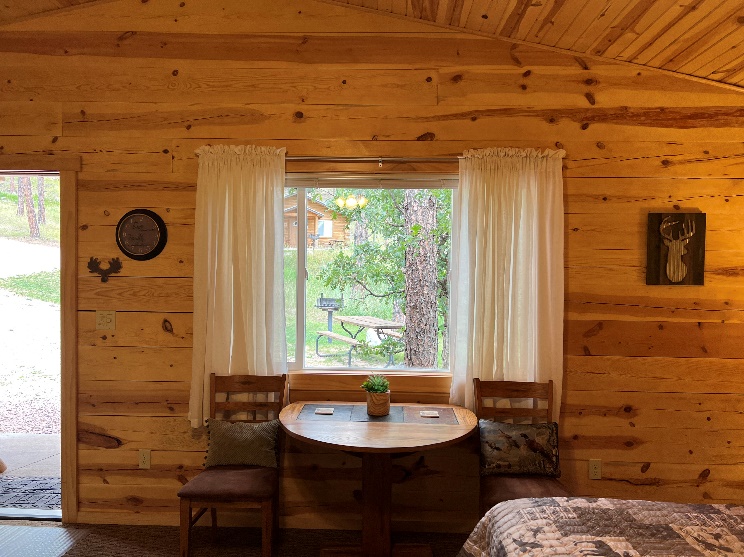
[377, 488]
[377, 495]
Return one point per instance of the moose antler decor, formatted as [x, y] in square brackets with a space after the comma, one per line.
[94, 266]
[676, 248]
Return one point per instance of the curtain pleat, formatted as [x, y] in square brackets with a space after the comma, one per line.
[239, 319]
[506, 305]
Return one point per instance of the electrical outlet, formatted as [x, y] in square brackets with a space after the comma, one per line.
[144, 458]
[105, 320]
[595, 469]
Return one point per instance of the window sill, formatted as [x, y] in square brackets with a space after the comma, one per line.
[344, 385]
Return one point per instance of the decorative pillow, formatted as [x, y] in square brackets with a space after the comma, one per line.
[241, 443]
[519, 448]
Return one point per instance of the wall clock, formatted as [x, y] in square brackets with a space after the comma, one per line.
[141, 234]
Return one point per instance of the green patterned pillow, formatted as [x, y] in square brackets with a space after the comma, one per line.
[241, 443]
[519, 448]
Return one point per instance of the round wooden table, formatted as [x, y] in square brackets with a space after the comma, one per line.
[377, 440]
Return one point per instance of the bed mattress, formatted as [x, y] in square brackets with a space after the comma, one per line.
[606, 527]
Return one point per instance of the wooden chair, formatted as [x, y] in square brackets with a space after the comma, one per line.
[236, 487]
[497, 488]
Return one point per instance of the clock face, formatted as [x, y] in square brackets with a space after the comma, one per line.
[141, 234]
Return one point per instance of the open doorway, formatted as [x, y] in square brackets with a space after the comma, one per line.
[30, 366]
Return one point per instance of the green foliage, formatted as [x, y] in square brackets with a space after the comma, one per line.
[376, 383]
[376, 267]
[13, 225]
[42, 286]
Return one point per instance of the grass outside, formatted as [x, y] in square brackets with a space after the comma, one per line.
[42, 286]
[317, 320]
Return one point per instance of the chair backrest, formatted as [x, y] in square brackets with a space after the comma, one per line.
[231, 397]
[497, 390]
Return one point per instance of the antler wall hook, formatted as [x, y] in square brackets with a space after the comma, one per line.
[94, 266]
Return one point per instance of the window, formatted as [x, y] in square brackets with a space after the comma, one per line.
[325, 228]
[369, 289]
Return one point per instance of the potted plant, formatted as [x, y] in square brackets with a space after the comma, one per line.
[378, 395]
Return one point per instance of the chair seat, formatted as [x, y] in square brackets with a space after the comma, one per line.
[497, 488]
[232, 483]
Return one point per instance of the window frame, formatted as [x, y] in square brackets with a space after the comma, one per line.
[304, 180]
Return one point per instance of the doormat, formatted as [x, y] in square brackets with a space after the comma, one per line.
[30, 493]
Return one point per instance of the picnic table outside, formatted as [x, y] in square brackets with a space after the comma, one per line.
[382, 327]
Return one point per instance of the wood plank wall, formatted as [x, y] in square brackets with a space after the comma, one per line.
[654, 375]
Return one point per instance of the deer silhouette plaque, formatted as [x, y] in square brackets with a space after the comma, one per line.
[675, 248]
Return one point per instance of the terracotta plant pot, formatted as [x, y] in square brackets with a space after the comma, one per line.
[378, 404]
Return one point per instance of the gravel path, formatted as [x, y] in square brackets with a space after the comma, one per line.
[29, 346]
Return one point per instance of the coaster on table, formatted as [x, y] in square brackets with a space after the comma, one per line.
[324, 411]
[429, 414]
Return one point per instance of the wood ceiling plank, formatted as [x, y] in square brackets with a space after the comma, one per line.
[529, 13]
[657, 10]
[424, 9]
[491, 17]
[545, 9]
[497, 13]
[585, 16]
[463, 13]
[611, 12]
[619, 28]
[713, 45]
[655, 32]
[733, 73]
[399, 7]
[515, 18]
[476, 17]
[678, 37]
[385, 6]
[716, 57]
[727, 65]
[555, 24]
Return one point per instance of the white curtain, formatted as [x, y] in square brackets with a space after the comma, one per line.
[506, 303]
[239, 320]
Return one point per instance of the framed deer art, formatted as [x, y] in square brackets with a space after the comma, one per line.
[675, 251]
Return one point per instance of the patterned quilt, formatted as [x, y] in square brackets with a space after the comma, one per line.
[606, 527]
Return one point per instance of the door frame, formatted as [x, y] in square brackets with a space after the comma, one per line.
[68, 168]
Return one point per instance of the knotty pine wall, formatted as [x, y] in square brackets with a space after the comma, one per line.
[654, 375]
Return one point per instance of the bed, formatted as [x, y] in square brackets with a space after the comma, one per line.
[554, 526]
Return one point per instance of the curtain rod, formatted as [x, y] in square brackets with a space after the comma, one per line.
[378, 160]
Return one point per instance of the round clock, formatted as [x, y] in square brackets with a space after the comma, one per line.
[141, 234]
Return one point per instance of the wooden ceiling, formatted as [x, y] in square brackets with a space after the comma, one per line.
[700, 38]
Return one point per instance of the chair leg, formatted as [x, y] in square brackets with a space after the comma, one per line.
[267, 522]
[185, 526]
[213, 516]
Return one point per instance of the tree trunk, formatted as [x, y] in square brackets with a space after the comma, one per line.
[28, 195]
[361, 232]
[21, 200]
[40, 194]
[419, 213]
[443, 294]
